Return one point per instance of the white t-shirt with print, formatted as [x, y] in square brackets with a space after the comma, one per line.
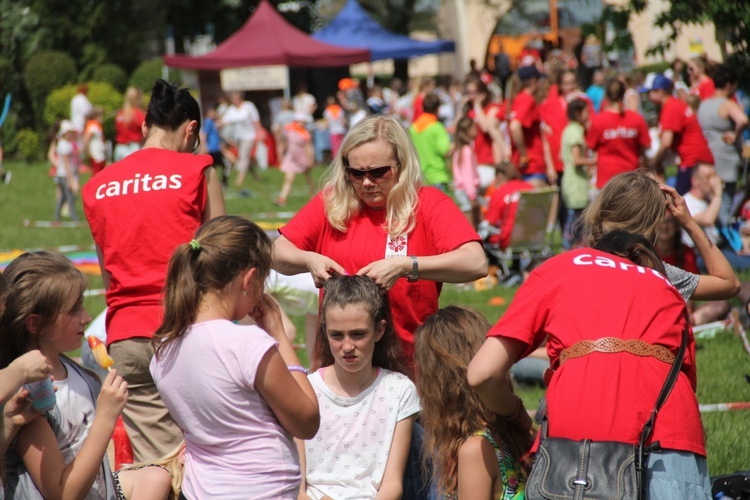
[347, 457]
[241, 121]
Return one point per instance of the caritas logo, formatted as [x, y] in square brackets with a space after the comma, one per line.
[138, 184]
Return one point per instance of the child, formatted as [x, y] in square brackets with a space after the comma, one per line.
[160, 479]
[93, 140]
[367, 406]
[248, 394]
[336, 120]
[63, 454]
[461, 432]
[465, 174]
[576, 168]
[298, 157]
[66, 174]
[211, 140]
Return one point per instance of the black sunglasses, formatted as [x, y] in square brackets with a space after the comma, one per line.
[372, 174]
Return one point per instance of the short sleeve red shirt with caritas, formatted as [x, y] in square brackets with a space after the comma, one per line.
[139, 210]
[689, 141]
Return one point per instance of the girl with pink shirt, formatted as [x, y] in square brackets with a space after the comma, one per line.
[465, 173]
[238, 392]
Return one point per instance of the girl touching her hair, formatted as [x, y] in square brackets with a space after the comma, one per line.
[248, 395]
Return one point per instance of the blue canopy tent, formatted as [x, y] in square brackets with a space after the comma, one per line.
[354, 28]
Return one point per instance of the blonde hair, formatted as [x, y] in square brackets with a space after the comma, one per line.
[171, 462]
[133, 100]
[629, 202]
[340, 198]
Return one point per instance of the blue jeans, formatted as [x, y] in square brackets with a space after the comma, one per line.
[738, 262]
[677, 475]
[417, 480]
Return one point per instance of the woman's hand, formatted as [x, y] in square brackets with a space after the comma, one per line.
[112, 396]
[386, 272]
[676, 205]
[267, 315]
[321, 268]
[18, 411]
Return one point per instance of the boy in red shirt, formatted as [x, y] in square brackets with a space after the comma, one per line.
[680, 131]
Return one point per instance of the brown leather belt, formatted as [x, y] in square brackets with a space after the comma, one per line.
[612, 345]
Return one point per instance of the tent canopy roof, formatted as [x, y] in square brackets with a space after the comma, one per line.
[267, 39]
[353, 27]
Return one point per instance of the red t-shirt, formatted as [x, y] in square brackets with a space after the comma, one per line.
[139, 209]
[706, 88]
[129, 131]
[688, 262]
[586, 294]
[618, 139]
[689, 141]
[440, 228]
[483, 141]
[526, 111]
[502, 210]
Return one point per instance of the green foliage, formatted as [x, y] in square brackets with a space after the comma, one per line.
[111, 74]
[45, 72]
[654, 68]
[100, 94]
[146, 73]
[28, 145]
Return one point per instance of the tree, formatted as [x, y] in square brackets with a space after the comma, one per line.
[731, 18]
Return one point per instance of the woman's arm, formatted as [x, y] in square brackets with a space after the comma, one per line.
[462, 265]
[579, 160]
[485, 121]
[38, 448]
[392, 486]
[738, 116]
[721, 282]
[477, 469]
[288, 259]
[548, 160]
[215, 196]
[488, 375]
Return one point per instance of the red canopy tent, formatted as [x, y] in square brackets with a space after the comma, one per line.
[268, 39]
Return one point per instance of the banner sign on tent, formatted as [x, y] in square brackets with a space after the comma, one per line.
[255, 78]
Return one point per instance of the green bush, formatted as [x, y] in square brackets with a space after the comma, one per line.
[111, 74]
[45, 72]
[100, 94]
[146, 73]
[29, 146]
[653, 68]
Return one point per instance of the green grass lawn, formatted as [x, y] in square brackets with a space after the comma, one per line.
[722, 361]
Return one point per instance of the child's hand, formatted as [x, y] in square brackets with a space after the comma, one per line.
[32, 367]
[112, 396]
[18, 411]
[268, 316]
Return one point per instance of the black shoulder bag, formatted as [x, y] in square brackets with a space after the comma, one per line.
[565, 469]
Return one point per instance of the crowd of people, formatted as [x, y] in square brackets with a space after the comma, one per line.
[402, 399]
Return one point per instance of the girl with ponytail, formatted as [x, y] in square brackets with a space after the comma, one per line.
[619, 136]
[238, 392]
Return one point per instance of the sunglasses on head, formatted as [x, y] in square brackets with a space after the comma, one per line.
[372, 174]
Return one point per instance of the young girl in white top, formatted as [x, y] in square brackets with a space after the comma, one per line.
[367, 408]
[237, 392]
[62, 453]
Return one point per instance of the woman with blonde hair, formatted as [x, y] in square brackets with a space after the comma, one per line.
[636, 203]
[374, 217]
[129, 124]
[158, 479]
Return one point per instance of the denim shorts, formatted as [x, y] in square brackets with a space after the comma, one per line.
[677, 475]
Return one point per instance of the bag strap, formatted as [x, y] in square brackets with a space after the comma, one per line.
[674, 372]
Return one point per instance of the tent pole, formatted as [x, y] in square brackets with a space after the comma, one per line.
[287, 92]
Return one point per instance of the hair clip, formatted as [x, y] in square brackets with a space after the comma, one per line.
[195, 245]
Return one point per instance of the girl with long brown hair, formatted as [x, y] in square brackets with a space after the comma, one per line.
[461, 432]
[367, 403]
[238, 392]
